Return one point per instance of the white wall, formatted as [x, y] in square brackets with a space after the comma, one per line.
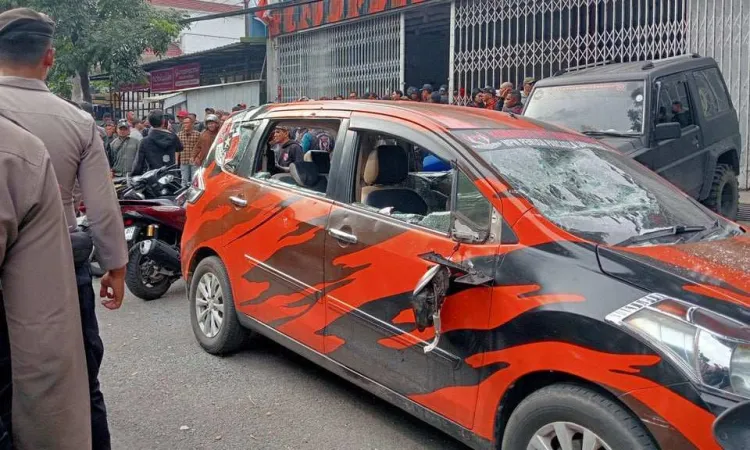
[208, 34]
[223, 97]
[721, 29]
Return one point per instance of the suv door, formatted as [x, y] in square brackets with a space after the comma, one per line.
[681, 161]
[274, 254]
[376, 258]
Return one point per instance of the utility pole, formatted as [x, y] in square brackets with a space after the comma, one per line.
[247, 18]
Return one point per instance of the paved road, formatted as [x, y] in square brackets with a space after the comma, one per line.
[156, 379]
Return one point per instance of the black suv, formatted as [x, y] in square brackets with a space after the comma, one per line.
[673, 115]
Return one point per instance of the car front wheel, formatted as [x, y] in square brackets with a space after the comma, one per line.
[212, 314]
[569, 416]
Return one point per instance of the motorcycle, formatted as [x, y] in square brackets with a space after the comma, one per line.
[153, 229]
[162, 183]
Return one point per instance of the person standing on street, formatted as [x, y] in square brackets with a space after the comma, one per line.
[513, 103]
[159, 148]
[206, 139]
[189, 138]
[44, 394]
[197, 126]
[77, 155]
[135, 129]
[122, 150]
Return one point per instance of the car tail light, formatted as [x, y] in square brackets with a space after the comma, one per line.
[197, 186]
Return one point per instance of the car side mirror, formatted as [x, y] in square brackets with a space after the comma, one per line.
[732, 428]
[667, 131]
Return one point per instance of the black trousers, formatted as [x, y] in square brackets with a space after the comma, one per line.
[94, 349]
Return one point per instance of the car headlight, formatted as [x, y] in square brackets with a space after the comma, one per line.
[711, 349]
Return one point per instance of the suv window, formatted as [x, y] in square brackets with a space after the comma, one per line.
[674, 102]
[399, 179]
[297, 154]
[712, 94]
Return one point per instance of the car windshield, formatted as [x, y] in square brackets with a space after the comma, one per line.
[583, 187]
[604, 107]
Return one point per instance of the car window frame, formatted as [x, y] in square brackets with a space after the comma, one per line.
[689, 95]
[416, 135]
[261, 138]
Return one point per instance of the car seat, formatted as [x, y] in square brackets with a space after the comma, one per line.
[305, 174]
[322, 160]
[386, 169]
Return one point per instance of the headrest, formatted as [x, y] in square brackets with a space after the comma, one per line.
[387, 164]
[321, 158]
[304, 173]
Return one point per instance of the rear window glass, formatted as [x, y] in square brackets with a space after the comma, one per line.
[712, 94]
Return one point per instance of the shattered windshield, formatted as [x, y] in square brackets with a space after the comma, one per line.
[583, 187]
[604, 107]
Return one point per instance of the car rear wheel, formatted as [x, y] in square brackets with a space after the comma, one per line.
[569, 416]
[725, 192]
[212, 314]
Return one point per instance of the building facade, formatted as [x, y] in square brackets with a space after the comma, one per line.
[336, 46]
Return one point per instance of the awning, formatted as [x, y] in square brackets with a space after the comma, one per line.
[166, 100]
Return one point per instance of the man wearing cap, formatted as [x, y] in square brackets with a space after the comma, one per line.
[206, 139]
[76, 153]
[443, 94]
[528, 85]
[122, 150]
[425, 92]
[290, 151]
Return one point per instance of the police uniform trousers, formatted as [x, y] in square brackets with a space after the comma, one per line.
[94, 349]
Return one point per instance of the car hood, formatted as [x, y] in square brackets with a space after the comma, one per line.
[713, 274]
[625, 145]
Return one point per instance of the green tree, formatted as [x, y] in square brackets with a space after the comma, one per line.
[107, 36]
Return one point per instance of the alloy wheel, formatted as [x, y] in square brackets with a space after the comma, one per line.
[209, 305]
[566, 436]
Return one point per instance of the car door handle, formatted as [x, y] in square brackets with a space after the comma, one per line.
[238, 201]
[343, 236]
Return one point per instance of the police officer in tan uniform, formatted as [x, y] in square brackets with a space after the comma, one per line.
[40, 323]
[77, 154]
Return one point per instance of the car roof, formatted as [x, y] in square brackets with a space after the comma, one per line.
[430, 115]
[638, 70]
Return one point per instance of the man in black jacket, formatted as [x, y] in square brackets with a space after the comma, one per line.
[158, 149]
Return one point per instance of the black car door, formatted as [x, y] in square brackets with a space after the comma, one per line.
[681, 161]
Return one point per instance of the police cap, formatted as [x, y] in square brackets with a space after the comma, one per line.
[24, 21]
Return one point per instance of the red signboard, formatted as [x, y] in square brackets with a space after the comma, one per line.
[311, 15]
[187, 76]
[175, 78]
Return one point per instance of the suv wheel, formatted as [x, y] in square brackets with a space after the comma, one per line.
[725, 192]
[212, 312]
[564, 416]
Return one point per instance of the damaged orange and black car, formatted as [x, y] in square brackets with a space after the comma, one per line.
[514, 284]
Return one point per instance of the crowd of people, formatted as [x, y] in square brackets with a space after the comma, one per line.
[506, 99]
[159, 139]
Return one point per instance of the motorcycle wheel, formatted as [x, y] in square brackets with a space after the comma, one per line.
[138, 281]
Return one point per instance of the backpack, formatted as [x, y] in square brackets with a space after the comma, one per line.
[322, 140]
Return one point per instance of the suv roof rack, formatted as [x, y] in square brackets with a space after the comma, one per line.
[650, 64]
[584, 66]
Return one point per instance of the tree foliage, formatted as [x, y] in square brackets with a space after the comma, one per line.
[107, 36]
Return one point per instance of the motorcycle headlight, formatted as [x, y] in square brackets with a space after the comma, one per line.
[166, 179]
[711, 349]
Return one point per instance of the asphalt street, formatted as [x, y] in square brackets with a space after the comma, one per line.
[164, 392]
